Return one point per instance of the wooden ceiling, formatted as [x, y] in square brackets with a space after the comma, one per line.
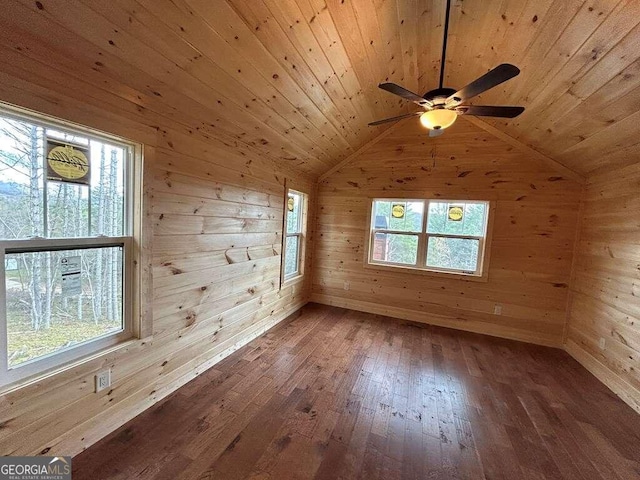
[297, 79]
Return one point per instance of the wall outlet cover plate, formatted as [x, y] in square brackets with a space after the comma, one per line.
[103, 380]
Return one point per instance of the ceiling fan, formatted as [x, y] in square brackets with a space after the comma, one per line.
[442, 106]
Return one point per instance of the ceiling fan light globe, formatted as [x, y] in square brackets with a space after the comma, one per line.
[438, 119]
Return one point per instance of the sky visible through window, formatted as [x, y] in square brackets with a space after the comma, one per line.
[43, 314]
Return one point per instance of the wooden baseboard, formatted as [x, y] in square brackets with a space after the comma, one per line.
[126, 414]
[440, 321]
[628, 393]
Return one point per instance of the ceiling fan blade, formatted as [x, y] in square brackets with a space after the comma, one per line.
[490, 111]
[395, 119]
[403, 92]
[436, 133]
[491, 79]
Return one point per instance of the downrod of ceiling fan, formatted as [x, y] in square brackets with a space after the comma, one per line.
[444, 42]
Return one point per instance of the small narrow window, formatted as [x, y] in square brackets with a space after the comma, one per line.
[295, 209]
[65, 243]
[432, 235]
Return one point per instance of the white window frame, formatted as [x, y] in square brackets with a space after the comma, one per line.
[423, 239]
[300, 234]
[57, 359]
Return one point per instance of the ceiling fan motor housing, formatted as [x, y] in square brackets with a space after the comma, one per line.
[439, 95]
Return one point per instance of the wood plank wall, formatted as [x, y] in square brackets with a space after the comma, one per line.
[533, 233]
[216, 209]
[605, 293]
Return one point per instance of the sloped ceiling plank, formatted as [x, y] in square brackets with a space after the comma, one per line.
[612, 29]
[571, 75]
[367, 67]
[387, 18]
[299, 33]
[168, 58]
[220, 18]
[141, 61]
[297, 79]
[250, 88]
[105, 79]
[408, 20]
[323, 28]
[250, 73]
[323, 89]
[430, 30]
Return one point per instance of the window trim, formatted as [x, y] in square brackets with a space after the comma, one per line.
[135, 323]
[301, 235]
[481, 273]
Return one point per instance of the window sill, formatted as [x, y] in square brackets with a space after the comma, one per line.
[288, 282]
[484, 278]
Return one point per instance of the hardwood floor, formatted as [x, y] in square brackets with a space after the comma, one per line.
[341, 394]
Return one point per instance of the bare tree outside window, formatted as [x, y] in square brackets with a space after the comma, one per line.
[48, 227]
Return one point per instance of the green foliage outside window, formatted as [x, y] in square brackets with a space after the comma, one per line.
[452, 236]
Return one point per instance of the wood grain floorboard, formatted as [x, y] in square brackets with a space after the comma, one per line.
[339, 394]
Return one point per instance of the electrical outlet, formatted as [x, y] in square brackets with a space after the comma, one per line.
[103, 380]
[347, 285]
[497, 309]
[601, 344]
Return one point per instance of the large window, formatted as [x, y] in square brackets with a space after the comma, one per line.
[65, 243]
[295, 209]
[433, 235]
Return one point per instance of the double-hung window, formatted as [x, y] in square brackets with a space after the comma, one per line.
[432, 235]
[66, 245]
[295, 210]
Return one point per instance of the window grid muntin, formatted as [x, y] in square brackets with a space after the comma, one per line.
[297, 233]
[421, 257]
[76, 352]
